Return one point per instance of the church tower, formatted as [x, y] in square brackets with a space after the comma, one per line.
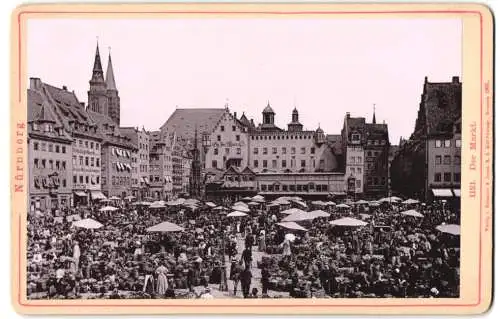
[97, 98]
[112, 93]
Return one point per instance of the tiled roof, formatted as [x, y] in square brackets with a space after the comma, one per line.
[443, 106]
[335, 142]
[244, 120]
[112, 133]
[184, 121]
[39, 109]
[69, 109]
[131, 133]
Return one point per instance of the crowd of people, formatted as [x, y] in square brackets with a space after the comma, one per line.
[251, 255]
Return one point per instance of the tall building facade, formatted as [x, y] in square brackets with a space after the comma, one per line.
[140, 161]
[431, 157]
[49, 152]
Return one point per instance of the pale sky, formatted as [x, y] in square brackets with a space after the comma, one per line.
[324, 67]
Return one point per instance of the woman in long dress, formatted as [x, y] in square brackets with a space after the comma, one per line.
[162, 282]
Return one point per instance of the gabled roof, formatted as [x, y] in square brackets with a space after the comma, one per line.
[232, 170]
[244, 120]
[247, 171]
[184, 121]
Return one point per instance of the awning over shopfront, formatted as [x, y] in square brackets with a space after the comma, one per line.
[98, 195]
[444, 192]
[456, 192]
[80, 193]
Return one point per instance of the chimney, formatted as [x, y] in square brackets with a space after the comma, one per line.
[235, 115]
[455, 79]
[35, 83]
[348, 115]
[65, 88]
[426, 80]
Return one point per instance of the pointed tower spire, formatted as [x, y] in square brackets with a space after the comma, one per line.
[97, 73]
[374, 121]
[110, 75]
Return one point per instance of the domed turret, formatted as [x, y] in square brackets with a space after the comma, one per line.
[319, 136]
[295, 125]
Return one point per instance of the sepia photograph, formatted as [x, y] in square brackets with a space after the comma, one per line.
[213, 158]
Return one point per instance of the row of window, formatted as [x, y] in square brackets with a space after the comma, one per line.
[93, 180]
[120, 181]
[222, 128]
[281, 137]
[446, 160]
[51, 164]
[227, 150]
[354, 159]
[88, 144]
[86, 161]
[143, 168]
[219, 138]
[274, 150]
[274, 163]
[143, 156]
[375, 181]
[446, 177]
[49, 147]
[292, 188]
[244, 178]
[143, 146]
[447, 143]
[375, 142]
[353, 170]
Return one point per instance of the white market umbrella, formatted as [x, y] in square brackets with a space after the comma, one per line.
[241, 208]
[412, 213]
[343, 206]
[236, 214]
[318, 203]
[361, 202]
[319, 213]
[411, 201]
[240, 204]
[247, 198]
[165, 227]
[348, 222]
[253, 204]
[292, 211]
[291, 225]
[374, 203]
[129, 197]
[157, 205]
[390, 199]
[87, 223]
[258, 198]
[108, 209]
[297, 217]
[114, 198]
[300, 203]
[219, 208]
[449, 229]
[210, 204]
[330, 203]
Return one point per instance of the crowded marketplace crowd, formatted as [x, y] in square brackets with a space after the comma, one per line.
[252, 248]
